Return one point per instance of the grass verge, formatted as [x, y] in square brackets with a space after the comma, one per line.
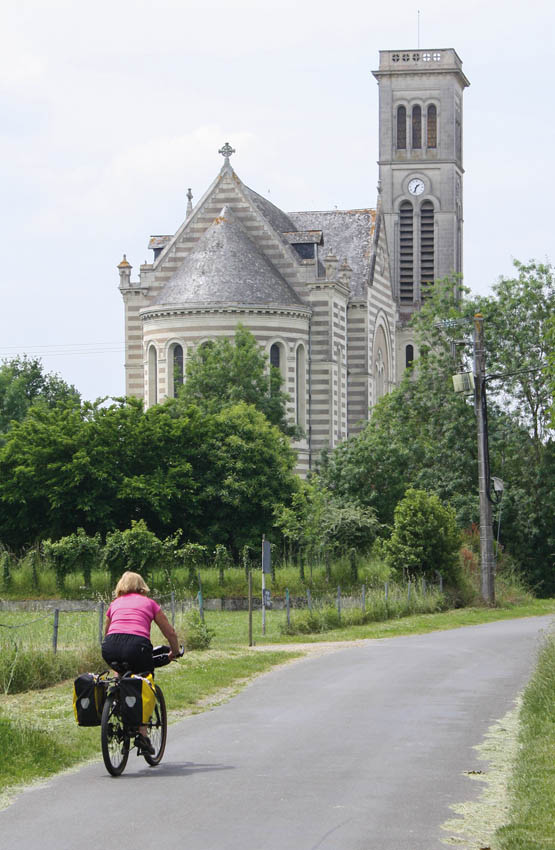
[38, 729]
[231, 627]
[531, 820]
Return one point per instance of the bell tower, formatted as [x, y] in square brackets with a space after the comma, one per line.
[421, 170]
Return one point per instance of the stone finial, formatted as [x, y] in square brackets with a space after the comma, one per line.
[189, 202]
[331, 266]
[345, 272]
[124, 272]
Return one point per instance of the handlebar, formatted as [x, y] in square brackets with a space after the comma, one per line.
[161, 655]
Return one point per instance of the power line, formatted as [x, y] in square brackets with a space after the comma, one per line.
[77, 349]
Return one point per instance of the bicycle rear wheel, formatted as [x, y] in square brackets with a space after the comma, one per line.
[114, 737]
[157, 729]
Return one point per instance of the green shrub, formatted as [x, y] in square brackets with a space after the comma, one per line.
[198, 636]
[426, 539]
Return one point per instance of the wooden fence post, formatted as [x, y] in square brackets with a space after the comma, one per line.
[250, 608]
[287, 606]
[100, 621]
[55, 630]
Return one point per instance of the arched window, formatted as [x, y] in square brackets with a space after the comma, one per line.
[406, 251]
[401, 128]
[426, 246]
[152, 376]
[380, 363]
[431, 125]
[175, 369]
[275, 355]
[409, 356]
[416, 127]
[380, 374]
[301, 386]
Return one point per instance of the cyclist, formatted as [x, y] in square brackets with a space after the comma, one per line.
[127, 633]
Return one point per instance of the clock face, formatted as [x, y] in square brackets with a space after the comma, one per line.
[416, 186]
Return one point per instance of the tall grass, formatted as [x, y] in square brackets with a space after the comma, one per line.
[531, 820]
[378, 608]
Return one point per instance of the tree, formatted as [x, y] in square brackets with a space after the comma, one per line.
[73, 552]
[425, 538]
[23, 382]
[222, 373]
[136, 549]
[214, 477]
[315, 519]
[517, 319]
[249, 469]
[423, 435]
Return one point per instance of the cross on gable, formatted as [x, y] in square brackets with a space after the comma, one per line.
[226, 152]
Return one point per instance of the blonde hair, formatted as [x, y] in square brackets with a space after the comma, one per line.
[131, 583]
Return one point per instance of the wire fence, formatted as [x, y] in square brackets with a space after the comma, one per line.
[70, 628]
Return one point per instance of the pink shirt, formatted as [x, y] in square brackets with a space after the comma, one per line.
[132, 614]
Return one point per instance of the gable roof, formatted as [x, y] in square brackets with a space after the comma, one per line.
[226, 267]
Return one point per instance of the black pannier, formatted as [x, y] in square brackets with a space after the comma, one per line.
[88, 699]
[137, 699]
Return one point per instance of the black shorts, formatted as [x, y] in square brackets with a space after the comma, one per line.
[134, 650]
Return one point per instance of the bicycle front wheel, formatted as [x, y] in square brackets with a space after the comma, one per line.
[114, 737]
[157, 729]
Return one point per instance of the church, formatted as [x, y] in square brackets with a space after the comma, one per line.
[328, 294]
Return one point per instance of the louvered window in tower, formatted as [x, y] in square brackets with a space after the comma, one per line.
[426, 247]
[432, 126]
[406, 251]
[401, 128]
[416, 127]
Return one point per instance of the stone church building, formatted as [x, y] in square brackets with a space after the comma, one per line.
[327, 294]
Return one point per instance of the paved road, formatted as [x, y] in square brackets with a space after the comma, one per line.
[361, 749]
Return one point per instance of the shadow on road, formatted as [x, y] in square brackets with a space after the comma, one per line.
[184, 768]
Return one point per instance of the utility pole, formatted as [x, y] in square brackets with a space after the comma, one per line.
[486, 528]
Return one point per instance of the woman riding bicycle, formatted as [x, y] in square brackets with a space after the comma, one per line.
[127, 632]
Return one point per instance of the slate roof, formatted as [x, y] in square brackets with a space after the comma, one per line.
[226, 267]
[348, 234]
[277, 218]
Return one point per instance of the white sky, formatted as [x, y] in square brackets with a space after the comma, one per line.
[109, 111]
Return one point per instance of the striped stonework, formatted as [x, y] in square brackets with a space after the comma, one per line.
[313, 288]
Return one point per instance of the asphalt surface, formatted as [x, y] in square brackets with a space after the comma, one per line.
[360, 749]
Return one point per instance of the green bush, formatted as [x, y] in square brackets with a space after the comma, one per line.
[426, 539]
[198, 636]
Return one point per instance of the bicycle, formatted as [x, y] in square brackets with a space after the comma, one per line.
[118, 737]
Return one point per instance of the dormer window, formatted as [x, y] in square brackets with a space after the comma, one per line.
[305, 250]
[305, 243]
